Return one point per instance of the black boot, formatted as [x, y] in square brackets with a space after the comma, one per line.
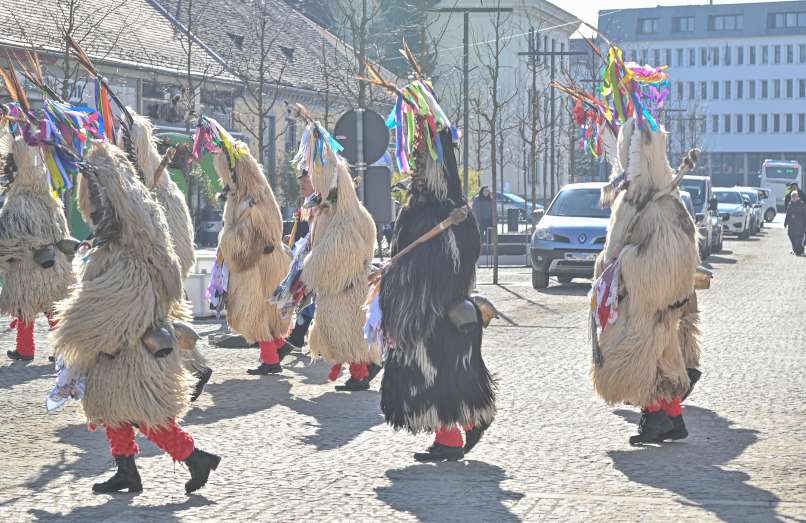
[473, 436]
[374, 369]
[285, 350]
[438, 452]
[265, 368]
[651, 427]
[200, 464]
[297, 337]
[693, 378]
[678, 429]
[126, 477]
[202, 377]
[354, 384]
[14, 355]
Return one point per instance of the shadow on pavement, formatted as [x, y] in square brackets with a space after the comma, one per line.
[119, 508]
[19, 372]
[720, 259]
[567, 289]
[468, 490]
[697, 468]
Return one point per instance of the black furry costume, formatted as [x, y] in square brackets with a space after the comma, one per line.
[434, 373]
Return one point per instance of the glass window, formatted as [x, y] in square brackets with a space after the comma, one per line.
[802, 88]
[691, 90]
[715, 55]
[656, 57]
[776, 88]
[751, 88]
[725, 23]
[647, 25]
[776, 54]
[726, 123]
[739, 89]
[668, 57]
[727, 59]
[791, 19]
[704, 56]
[715, 90]
[765, 89]
[727, 89]
[644, 53]
[789, 122]
[752, 58]
[790, 54]
[270, 155]
[290, 134]
[739, 123]
[764, 121]
[802, 53]
[683, 24]
[704, 90]
[751, 123]
[692, 54]
[801, 123]
[765, 54]
[802, 19]
[714, 124]
[679, 89]
[790, 88]
[679, 53]
[776, 123]
[740, 55]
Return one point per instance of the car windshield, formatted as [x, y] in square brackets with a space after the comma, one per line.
[514, 198]
[727, 197]
[582, 203]
[781, 172]
[752, 195]
[696, 188]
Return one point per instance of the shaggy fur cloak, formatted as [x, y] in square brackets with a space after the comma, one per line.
[129, 284]
[31, 218]
[434, 374]
[643, 359]
[343, 242]
[251, 244]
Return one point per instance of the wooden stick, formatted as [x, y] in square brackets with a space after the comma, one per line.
[166, 159]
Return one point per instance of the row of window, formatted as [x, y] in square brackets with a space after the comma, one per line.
[714, 56]
[740, 89]
[686, 24]
[756, 123]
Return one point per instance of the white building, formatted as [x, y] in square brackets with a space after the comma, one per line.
[553, 27]
[738, 79]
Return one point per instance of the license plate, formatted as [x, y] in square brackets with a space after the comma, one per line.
[580, 256]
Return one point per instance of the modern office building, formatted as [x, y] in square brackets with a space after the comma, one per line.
[738, 79]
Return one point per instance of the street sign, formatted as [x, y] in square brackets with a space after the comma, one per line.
[376, 136]
[378, 193]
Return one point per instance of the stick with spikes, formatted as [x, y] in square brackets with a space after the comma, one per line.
[35, 76]
[14, 87]
[409, 56]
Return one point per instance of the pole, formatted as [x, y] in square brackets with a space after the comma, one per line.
[552, 116]
[466, 123]
[360, 166]
[533, 118]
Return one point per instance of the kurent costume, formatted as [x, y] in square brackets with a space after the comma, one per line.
[435, 379]
[341, 243]
[250, 244]
[33, 219]
[116, 330]
[138, 142]
[644, 310]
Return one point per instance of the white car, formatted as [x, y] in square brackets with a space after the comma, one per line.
[735, 211]
[767, 201]
[755, 206]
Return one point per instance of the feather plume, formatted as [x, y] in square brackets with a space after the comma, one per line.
[81, 56]
[14, 87]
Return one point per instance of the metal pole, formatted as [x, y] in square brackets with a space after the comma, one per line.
[533, 119]
[360, 166]
[466, 124]
[552, 116]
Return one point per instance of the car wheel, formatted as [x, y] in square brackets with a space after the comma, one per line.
[564, 279]
[540, 279]
[769, 215]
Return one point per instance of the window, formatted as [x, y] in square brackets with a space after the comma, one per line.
[270, 159]
[725, 23]
[704, 90]
[751, 123]
[727, 59]
[751, 88]
[776, 54]
[790, 54]
[740, 55]
[726, 123]
[656, 57]
[776, 88]
[776, 123]
[765, 89]
[784, 20]
[692, 54]
[790, 88]
[751, 59]
[739, 123]
[789, 122]
[714, 124]
[683, 24]
[764, 121]
[715, 90]
[802, 123]
[679, 53]
[679, 89]
[704, 56]
[290, 134]
[802, 53]
[644, 53]
[715, 55]
[668, 57]
[765, 54]
[691, 90]
[727, 90]
[647, 25]
[739, 89]
[802, 88]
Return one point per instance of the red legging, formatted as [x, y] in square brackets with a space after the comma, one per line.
[671, 408]
[268, 350]
[173, 440]
[25, 338]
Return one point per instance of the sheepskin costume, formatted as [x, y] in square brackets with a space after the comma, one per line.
[435, 379]
[342, 245]
[138, 142]
[33, 219]
[252, 249]
[112, 317]
[642, 356]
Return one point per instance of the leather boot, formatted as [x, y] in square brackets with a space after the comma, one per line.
[651, 427]
[265, 369]
[678, 431]
[438, 452]
[473, 436]
[693, 377]
[200, 464]
[125, 478]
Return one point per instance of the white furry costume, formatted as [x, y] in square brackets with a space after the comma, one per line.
[342, 245]
[32, 218]
[654, 240]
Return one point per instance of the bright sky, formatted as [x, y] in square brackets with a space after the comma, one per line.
[588, 10]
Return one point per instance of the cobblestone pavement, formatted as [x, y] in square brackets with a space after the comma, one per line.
[294, 449]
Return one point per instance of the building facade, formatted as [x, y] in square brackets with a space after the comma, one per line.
[738, 79]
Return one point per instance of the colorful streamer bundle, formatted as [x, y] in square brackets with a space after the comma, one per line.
[311, 152]
[211, 136]
[417, 118]
[104, 105]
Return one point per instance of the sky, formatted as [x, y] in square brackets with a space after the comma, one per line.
[588, 10]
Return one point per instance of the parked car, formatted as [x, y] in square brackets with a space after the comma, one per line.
[506, 201]
[767, 201]
[570, 235]
[685, 197]
[706, 217]
[734, 210]
[755, 206]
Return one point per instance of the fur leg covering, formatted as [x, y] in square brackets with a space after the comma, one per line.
[121, 440]
[25, 338]
[449, 436]
[173, 440]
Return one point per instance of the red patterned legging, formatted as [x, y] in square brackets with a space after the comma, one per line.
[268, 350]
[173, 440]
[671, 408]
[25, 338]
